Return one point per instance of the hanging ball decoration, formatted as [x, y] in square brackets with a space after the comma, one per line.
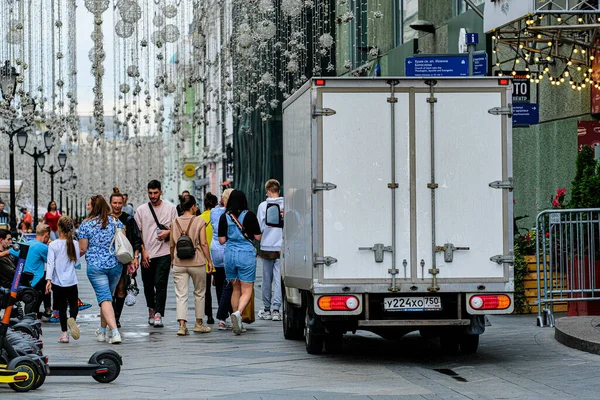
[245, 36]
[266, 29]
[326, 40]
[199, 41]
[157, 38]
[133, 71]
[266, 6]
[59, 55]
[97, 36]
[170, 87]
[97, 6]
[292, 8]
[96, 56]
[160, 57]
[144, 43]
[58, 24]
[124, 29]
[14, 37]
[131, 11]
[292, 66]
[170, 33]
[158, 20]
[170, 10]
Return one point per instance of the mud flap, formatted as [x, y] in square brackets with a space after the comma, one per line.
[477, 326]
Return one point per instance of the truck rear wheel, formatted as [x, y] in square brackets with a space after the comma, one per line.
[334, 342]
[469, 344]
[293, 320]
[312, 325]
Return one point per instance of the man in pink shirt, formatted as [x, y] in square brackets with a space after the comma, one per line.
[154, 221]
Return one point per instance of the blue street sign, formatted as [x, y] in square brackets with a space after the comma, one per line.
[472, 38]
[526, 114]
[429, 65]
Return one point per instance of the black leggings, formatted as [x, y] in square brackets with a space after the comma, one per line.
[63, 296]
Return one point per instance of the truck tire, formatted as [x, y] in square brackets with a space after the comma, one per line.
[312, 326]
[449, 343]
[293, 318]
[469, 344]
[334, 342]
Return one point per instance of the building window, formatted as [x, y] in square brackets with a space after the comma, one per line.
[461, 5]
[359, 40]
[407, 11]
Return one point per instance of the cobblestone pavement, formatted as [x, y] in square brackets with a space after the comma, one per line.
[516, 360]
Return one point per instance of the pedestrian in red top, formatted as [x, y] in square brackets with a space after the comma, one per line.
[51, 219]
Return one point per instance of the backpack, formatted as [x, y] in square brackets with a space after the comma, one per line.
[185, 245]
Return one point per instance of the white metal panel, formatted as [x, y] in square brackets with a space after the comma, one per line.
[468, 156]
[356, 148]
[297, 175]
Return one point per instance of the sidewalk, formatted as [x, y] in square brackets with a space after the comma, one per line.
[581, 333]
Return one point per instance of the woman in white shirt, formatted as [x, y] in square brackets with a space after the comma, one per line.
[63, 256]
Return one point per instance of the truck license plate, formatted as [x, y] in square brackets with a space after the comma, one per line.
[432, 303]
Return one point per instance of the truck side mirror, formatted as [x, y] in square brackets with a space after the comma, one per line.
[273, 216]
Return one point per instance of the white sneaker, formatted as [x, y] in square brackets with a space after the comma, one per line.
[236, 321]
[115, 339]
[264, 314]
[100, 337]
[158, 323]
[276, 316]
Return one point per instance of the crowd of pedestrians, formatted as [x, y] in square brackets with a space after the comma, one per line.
[214, 246]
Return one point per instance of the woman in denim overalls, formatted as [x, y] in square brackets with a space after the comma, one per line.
[240, 255]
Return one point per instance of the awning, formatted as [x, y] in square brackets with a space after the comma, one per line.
[5, 185]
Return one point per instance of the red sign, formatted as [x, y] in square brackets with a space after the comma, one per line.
[588, 132]
[595, 103]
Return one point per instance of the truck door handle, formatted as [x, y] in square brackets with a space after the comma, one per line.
[449, 249]
[378, 249]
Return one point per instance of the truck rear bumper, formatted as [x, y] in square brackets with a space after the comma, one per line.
[415, 323]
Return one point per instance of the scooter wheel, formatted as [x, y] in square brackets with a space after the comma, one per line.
[31, 369]
[40, 381]
[113, 366]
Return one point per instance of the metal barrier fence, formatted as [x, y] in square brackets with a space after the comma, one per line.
[567, 249]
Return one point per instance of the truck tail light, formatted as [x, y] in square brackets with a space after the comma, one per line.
[490, 302]
[338, 303]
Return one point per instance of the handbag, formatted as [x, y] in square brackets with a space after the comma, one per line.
[248, 315]
[122, 248]
[132, 292]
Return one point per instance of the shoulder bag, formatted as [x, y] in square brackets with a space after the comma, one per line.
[122, 248]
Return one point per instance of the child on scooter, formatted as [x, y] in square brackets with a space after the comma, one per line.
[63, 257]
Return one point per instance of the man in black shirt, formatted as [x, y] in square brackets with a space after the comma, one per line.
[7, 263]
[4, 217]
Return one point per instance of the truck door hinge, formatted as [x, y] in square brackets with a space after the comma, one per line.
[378, 249]
[508, 111]
[503, 259]
[322, 112]
[507, 184]
[449, 249]
[323, 260]
[316, 186]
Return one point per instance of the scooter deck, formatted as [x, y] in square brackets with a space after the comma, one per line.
[8, 376]
[73, 369]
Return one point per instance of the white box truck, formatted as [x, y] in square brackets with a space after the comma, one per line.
[398, 209]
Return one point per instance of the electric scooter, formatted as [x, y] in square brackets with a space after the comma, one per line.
[22, 373]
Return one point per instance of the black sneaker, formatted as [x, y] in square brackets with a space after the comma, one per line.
[210, 320]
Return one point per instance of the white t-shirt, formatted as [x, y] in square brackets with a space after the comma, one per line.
[61, 270]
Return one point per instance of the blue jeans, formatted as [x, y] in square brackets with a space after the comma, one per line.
[271, 273]
[104, 281]
[240, 264]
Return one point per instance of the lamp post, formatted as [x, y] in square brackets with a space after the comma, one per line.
[62, 161]
[8, 85]
[61, 182]
[39, 160]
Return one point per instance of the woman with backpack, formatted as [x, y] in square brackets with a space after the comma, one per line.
[189, 256]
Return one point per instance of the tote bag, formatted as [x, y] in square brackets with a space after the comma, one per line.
[122, 248]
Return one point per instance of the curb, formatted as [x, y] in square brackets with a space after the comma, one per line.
[579, 333]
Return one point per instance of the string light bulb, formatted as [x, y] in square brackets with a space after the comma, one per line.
[592, 58]
[575, 50]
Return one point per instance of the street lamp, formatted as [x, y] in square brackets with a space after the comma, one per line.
[39, 160]
[8, 85]
[61, 181]
[62, 161]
